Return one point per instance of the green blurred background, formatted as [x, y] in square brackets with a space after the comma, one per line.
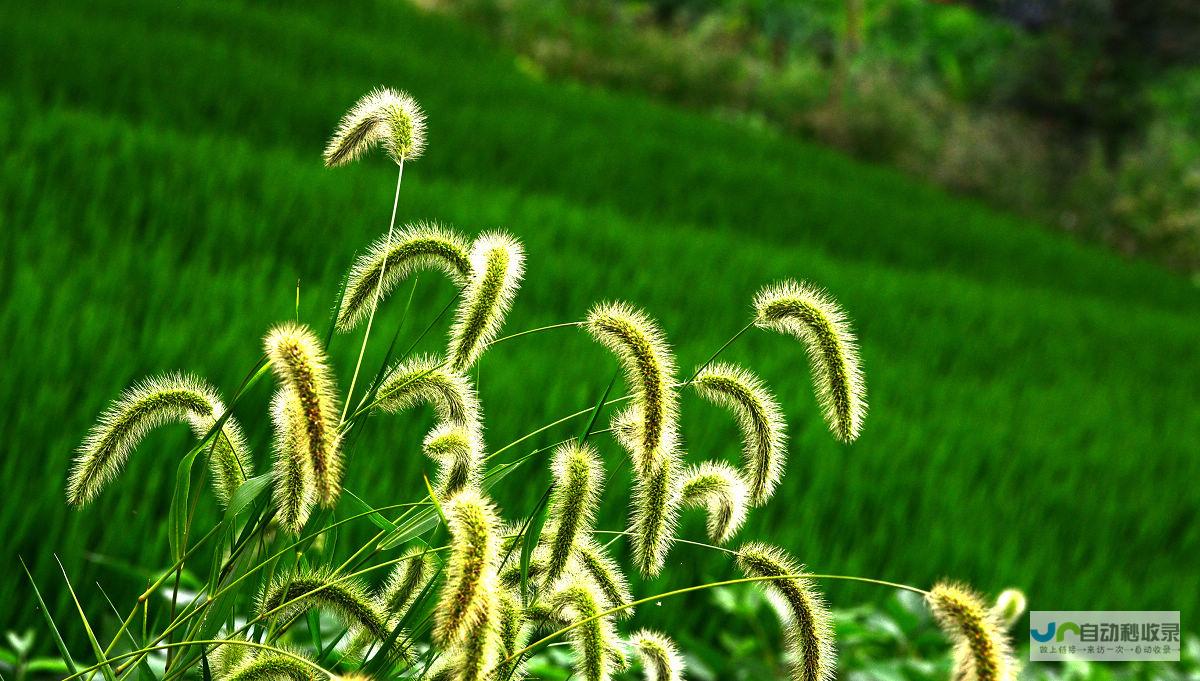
[1033, 416]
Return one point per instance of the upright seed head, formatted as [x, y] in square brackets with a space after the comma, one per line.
[513, 630]
[459, 455]
[476, 653]
[292, 474]
[428, 378]
[981, 648]
[347, 599]
[299, 362]
[764, 432]
[660, 658]
[471, 571]
[578, 476]
[594, 642]
[717, 487]
[393, 259]
[381, 116]
[810, 625]
[497, 265]
[151, 403]
[642, 349]
[811, 316]
[654, 512]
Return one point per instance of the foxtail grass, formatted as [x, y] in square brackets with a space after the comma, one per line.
[717, 487]
[660, 658]
[384, 117]
[292, 472]
[981, 648]
[428, 379]
[497, 266]
[654, 511]
[594, 641]
[471, 570]
[578, 478]
[347, 599]
[268, 666]
[458, 453]
[605, 575]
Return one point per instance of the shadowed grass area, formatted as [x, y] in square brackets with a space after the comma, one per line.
[1032, 414]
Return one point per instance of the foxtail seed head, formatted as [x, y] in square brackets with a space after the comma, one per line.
[151, 403]
[654, 512]
[406, 581]
[428, 378]
[514, 634]
[764, 432]
[415, 247]
[604, 574]
[642, 349]
[810, 315]
[291, 473]
[459, 455]
[298, 360]
[1009, 607]
[660, 658]
[593, 642]
[347, 599]
[497, 265]
[269, 665]
[471, 571]
[810, 629]
[981, 648]
[475, 654]
[578, 477]
[381, 116]
[717, 487]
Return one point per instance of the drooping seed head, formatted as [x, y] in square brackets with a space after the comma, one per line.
[292, 476]
[429, 379]
[224, 658]
[981, 648]
[1009, 607]
[347, 599]
[660, 658]
[407, 580]
[393, 259]
[145, 406]
[809, 625]
[596, 567]
[459, 455]
[654, 511]
[299, 362]
[594, 643]
[717, 487]
[383, 116]
[475, 654]
[471, 570]
[578, 477]
[270, 665]
[764, 431]
[811, 316]
[497, 265]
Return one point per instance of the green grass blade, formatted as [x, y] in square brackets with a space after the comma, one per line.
[58, 639]
[97, 649]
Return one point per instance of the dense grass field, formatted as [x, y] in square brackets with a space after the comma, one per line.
[1033, 418]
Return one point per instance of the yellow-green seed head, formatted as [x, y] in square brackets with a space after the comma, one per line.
[497, 266]
[347, 599]
[513, 630]
[428, 379]
[810, 315]
[1009, 607]
[578, 477]
[269, 665]
[654, 510]
[459, 455]
[475, 655]
[471, 570]
[151, 403]
[593, 564]
[292, 476]
[594, 642]
[406, 581]
[660, 658]
[717, 487]
[981, 647]
[393, 259]
[383, 116]
[299, 362]
[764, 432]
[808, 620]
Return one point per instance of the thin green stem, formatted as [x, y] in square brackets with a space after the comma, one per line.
[532, 331]
[206, 642]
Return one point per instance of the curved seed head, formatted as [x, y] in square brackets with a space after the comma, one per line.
[578, 477]
[269, 665]
[595, 642]
[156, 401]
[649, 368]
[476, 653]
[459, 455]
[471, 571]
[653, 516]
[347, 599]
[810, 624]
[717, 487]
[1009, 607]
[981, 648]
[299, 362]
[291, 473]
[497, 266]
[810, 315]
[514, 630]
[419, 246]
[660, 658]
[605, 575]
[383, 116]
[764, 431]
[429, 379]
[407, 580]
[224, 658]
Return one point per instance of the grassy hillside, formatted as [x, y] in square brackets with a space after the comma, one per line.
[1033, 402]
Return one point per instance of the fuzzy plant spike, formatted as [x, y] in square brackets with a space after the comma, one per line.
[383, 116]
[513, 630]
[347, 599]
[291, 473]
[407, 580]
[654, 511]
[497, 266]
[717, 487]
[475, 655]
[764, 431]
[660, 658]
[471, 570]
[981, 648]
[808, 620]
[429, 379]
[593, 642]
[578, 478]
[269, 665]
[299, 362]
[1009, 607]
[459, 456]
[604, 574]
[645, 357]
[810, 315]
[224, 658]
[391, 260]
[151, 403]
